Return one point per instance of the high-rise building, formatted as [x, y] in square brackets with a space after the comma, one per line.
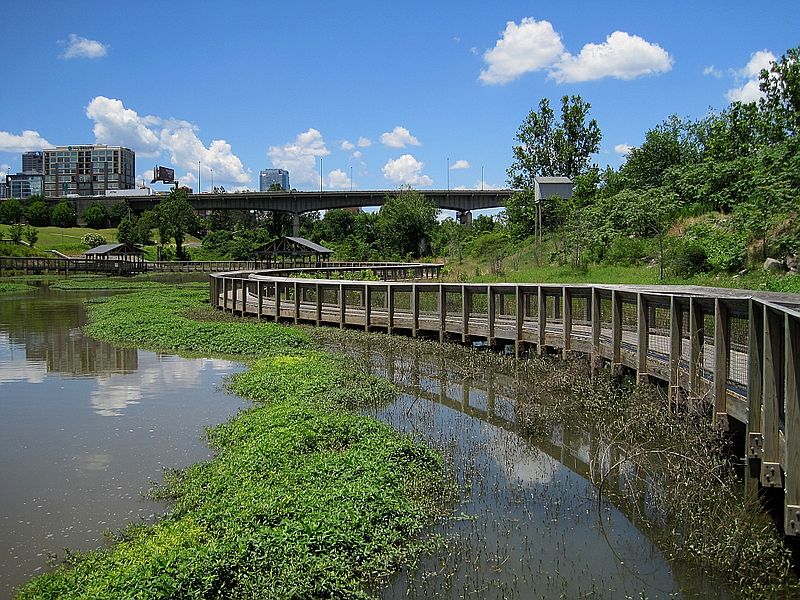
[269, 177]
[23, 185]
[32, 162]
[87, 170]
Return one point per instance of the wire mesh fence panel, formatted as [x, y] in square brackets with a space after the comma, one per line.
[428, 301]
[307, 293]
[605, 318]
[531, 304]
[330, 295]
[453, 301]
[659, 330]
[737, 352]
[580, 310]
[708, 346]
[353, 297]
[506, 304]
[402, 300]
[552, 308]
[630, 319]
[377, 299]
[479, 303]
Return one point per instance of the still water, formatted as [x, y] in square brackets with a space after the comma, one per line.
[86, 428]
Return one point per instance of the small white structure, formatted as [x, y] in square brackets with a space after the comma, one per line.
[134, 192]
[544, 187]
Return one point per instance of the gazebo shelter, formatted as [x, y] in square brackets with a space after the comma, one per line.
[295, 251]
[130, 254]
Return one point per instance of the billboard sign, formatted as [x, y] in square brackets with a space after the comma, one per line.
[163, 174]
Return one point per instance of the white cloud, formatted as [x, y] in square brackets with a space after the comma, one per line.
[345, 145]
[621, 56]
[80, 47]
[116, 125]
[338, 180]
[623, 149]
[713, 71]
[357, 154]
[406, 170]
[399, 137]
[530, 46]
[460, 164]
[28, 141]
[300, 157]
[536, 46]
[364, 142]
[749, 91]
[152, 136]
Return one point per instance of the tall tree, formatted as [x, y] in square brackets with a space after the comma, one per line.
[672, 143]
[405, 223]
[781, 87]
[547, 146]
[176, 218]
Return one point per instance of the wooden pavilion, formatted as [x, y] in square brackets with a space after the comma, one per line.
[295, 251]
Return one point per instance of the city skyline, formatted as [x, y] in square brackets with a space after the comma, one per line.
[378, 96]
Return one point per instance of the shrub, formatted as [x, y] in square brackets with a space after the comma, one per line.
[92, 240]
[725, 249]
[686, 257]
[627, 251]
[96, 215]
[64, 215]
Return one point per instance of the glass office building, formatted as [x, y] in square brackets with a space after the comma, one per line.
[268, 177]
[23, 185]
[87, 170]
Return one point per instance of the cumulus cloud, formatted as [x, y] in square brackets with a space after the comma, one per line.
[399, 137]
[536, 46]
[153, 136]
[713, 71]
[345, 145]
[364, 142]
[26, 142]
[357, 154]
[530, 46]
[749, 90]
[622, 56]
[460, 164]
[406, 170]
[338, 180]
[80, 47]
[623, 149]
[300, 156]
[116, 125]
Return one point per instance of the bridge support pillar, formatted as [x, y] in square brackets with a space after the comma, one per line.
[464, 217]
[296, 224]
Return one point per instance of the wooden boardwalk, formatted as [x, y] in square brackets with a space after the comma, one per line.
[737, 350]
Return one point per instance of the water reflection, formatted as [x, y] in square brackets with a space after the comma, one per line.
[528, 522]
[86, 428]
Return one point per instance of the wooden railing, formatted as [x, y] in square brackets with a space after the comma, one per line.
[737, 351]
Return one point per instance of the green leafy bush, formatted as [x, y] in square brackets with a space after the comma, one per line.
[725, 249]
[92, 240]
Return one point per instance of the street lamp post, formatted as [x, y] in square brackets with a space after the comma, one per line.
[198, 176]
[212, 181]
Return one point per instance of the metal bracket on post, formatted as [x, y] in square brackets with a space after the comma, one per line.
[771, 475]
[722, 421]
[755, 446]
[792, 526]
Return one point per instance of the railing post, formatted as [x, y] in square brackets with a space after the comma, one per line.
[642, 337]
[225, 287]
[697, 342]
[616, 328]
[296, 302]
[319, 304]
[342, 306]
[233, 294]
[721, 351]
[466, 307]
[675, 332]
[771, 474]
[442, 303]
[566, 311]
[367, 305]
[390, 307]
[541, 317]
[520, 320]
[792, 431]
[490, 312]
[277, 301]
[596, 319]
[260, 294]
[414, 309]
[755, 380]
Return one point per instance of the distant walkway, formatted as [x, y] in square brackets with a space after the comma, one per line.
[735, 351]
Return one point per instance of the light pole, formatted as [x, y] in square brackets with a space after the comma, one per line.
[321, 171]
[481, 178]
[448, 173]
[351, 178]
[212, 181]
[198, 176]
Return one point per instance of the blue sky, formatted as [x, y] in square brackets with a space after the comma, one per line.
[390, 92]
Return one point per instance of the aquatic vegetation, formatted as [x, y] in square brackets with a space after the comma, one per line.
[14, 288]
[304, 498]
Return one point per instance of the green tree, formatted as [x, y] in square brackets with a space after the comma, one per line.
[16, 232]
[95, 215]
[10, 211]
[406, 222]
[175, 218]
[547, 146]
[31, 235]
[126, 230]
[672, 143]
[781, 87]
[64, 214]
[38, 213]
